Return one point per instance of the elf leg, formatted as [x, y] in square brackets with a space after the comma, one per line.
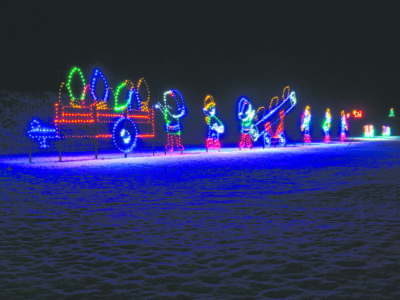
[242, 141]
[217, 144]
[249, 144]
[170, 143]
[179, 142]
[209, 143]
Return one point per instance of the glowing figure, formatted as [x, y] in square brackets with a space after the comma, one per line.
[344, 126]
[246, 114]
[326, 126]
[369, 131]
[214, 124]
[385, 130]
[305, 124]
[172, 116]
[269, 124]
[391, 113]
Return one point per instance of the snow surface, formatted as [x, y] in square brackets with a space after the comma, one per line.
[308, 221]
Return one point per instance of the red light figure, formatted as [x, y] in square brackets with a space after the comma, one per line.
[305, 124]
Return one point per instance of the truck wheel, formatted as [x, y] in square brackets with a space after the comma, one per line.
[254, 133]
[282, 139]
[125, 135]
[267, 140]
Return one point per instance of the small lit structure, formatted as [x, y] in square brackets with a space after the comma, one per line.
[369, 131]
[391, 113]
[385, 130]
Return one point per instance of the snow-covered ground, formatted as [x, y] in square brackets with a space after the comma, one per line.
[307, 221]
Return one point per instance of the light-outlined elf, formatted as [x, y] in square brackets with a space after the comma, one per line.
[326, 126]
[344, 126]
[173, 110]
[214, 125]
[305, 124]
[245, 114]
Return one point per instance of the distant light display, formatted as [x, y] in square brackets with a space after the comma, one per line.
[173, 111]
[42, 133]
[326, 126]
[391, 113]
[344, 126]
[305, 124]
[358, 114]
[386, 130]
[245, 114]
[214, 125]
[369, 131]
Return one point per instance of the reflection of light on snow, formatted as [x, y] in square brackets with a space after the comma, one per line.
[113, 159]
[217, 205]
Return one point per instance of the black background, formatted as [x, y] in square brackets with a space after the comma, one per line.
[342, 55]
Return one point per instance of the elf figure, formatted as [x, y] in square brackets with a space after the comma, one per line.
[344, 126]
[215, 126]
[305, 124]
[326, 127]
[246, 114]
[172, 110]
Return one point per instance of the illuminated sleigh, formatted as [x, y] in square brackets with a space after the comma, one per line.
[124, 124]
[270, 123]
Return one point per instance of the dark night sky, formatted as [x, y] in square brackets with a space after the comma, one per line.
[343, 55]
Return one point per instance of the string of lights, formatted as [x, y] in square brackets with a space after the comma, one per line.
[41, 133]
[130, 91]
[73, 99]
[93, 83]
[143, 102]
